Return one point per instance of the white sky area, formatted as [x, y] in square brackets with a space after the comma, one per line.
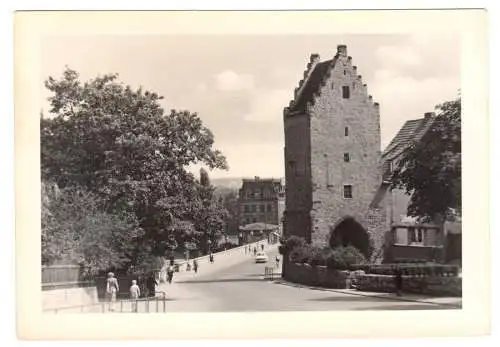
[239, 85]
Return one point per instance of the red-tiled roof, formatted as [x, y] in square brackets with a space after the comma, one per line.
[312, 85]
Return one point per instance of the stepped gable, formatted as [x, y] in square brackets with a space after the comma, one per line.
[312, 86]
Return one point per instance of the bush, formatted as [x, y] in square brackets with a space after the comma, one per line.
[343, 258]
[290, 243]
[300, 255]
[319, 255]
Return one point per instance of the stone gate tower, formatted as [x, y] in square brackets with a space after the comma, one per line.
[332, 157]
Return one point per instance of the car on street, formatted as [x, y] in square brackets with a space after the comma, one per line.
[261, 257]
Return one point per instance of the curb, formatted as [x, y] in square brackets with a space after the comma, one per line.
[345, 291]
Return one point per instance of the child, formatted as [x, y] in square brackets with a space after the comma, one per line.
[135, 292]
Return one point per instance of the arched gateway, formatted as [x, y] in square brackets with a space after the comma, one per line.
[350, 232]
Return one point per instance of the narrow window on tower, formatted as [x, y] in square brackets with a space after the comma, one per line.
[346, 157]
[332, 85]
[348, 191]
[346, 131]
[345, 92]
[345, 72]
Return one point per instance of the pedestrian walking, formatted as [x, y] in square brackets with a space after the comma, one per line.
[195, 266]
[398, 280]
[277, 262]
[151, 284]
[211, 257]
[262, 246]
[111, 290]
[254, 251]
[135, 293]
[170, 273]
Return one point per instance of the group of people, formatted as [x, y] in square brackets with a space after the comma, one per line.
[112, 289]
[248, 249]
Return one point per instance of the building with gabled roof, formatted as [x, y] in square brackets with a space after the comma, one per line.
[332, 158]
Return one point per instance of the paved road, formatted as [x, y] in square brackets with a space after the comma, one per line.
[242, 288]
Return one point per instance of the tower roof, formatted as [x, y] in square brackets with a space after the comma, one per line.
[312, 85]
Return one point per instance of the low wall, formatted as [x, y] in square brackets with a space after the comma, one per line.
[62, 295]
[316, 276]
[221, 259]
[428, 285]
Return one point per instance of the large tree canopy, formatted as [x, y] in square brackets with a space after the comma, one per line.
[119, 144]
[75, 228]
[431, 169]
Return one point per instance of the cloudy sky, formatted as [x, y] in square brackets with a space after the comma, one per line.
[240, 84]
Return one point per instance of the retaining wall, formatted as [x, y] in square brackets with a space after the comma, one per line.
[427, 285]
[71, 294]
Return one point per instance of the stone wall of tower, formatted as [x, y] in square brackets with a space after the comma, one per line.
[298, 191]
[330, 114]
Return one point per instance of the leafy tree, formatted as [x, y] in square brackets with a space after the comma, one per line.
[228, 198]
[211, 216]
[76, 228]
[431, 169]
[119, 144]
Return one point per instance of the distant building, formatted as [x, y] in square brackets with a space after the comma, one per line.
[261, 200]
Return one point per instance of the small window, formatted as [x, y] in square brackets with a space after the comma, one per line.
[247, 208]
[333, 84]
[348, 191]
[346, 157]
[345, 92]
[345, 72]
[269, 208]
[262, 208]
[346, 131]
[254, 208]
[415, 235]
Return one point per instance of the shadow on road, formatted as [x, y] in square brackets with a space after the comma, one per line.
[223, 280]
[353, 298]
[422, 307]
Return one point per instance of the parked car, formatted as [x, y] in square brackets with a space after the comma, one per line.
[261, 257]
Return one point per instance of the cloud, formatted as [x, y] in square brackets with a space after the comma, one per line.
[267, 105]
[404, 97]
[399, 56]
[229, 80]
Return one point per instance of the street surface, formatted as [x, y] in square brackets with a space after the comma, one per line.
[242, 288]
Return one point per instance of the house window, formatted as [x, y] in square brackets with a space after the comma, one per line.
[346, 131]
[247, 208]
[345, 72]
[262, 208]
[391, 166]
[345, 92]
[348, 191]
[253, 208]
[333, 84]
[415, 235]
[269, 208]
[346, 157]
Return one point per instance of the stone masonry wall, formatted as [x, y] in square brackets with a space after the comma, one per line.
[330, 114]
[297, 176]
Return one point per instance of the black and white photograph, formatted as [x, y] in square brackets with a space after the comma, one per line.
[249, 172]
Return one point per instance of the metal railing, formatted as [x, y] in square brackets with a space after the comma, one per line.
[269, 273]
[156, 304]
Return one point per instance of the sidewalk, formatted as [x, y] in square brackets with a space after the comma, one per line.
[452, 302]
